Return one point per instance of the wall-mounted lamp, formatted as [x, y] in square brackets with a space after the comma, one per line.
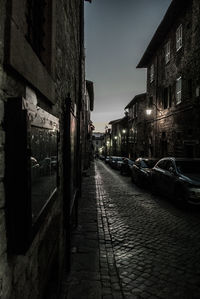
[115, 137]
[123, 131]
[149, 109]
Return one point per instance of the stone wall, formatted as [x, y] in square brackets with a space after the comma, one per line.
[26, 276]
[176, 122]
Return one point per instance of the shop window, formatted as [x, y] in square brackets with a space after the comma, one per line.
[31, 170]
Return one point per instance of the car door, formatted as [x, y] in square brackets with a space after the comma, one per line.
[168, 177]
[158, 175]
[136, 169]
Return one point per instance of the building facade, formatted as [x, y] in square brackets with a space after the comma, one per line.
[119, 137]
[172, 60]
[87, 126]
[98, 143]
[137, 125]
[41, 102]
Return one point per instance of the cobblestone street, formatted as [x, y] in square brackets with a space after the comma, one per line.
[147, 247]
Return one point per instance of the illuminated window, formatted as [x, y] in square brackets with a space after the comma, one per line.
[178, 90]
[167, 52]
[152, 73]
[179, 38]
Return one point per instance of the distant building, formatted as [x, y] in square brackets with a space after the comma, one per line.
[119, 137]
[98, 142]
[172, 60]
[137, 126]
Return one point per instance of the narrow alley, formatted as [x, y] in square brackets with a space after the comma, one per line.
[136, 246]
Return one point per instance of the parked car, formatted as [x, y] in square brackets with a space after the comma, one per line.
[126, 166]
[116, 162]
[107, 159]
[101, 157]
[119, 163]
[141, 171]
[178, 178]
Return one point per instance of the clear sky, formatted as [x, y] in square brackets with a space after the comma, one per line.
[117, 33]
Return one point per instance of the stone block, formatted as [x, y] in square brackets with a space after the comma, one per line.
[2, 195]
[3, 240]
[2, 163]
[1, 108]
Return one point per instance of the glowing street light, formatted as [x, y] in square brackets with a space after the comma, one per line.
[148, 111]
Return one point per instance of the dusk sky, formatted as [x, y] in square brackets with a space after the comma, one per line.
[117, 33]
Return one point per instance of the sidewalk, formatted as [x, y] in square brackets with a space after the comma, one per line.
[93, 272]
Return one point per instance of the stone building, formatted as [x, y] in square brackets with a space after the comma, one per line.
[172, 59]
[107, 141]
[41, 101]
[98, 142]
[119, 137]
[137, 126]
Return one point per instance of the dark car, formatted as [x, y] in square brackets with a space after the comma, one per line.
[116, 162]
[178, 178]
[107, 159]
[126, 166]
[141, 171]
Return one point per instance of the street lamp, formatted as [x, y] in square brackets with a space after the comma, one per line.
[115, 145]
[149, 109]
[123, 131]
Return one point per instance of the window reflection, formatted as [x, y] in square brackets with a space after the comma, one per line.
[43, 167]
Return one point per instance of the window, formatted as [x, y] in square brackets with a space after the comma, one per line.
[179, 38]
[167, 101]
[178, 90]
[135, 108]
[161, 164]
[190, 93]
[39, 23]
[167, 52]
[31, 171]
[152, 73]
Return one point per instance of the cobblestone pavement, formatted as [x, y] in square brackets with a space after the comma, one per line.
[156, 244]
[130, 244]
[93, 272]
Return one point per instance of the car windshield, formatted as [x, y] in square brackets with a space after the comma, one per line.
[119, 159]
[147, 163]
[188, 166]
